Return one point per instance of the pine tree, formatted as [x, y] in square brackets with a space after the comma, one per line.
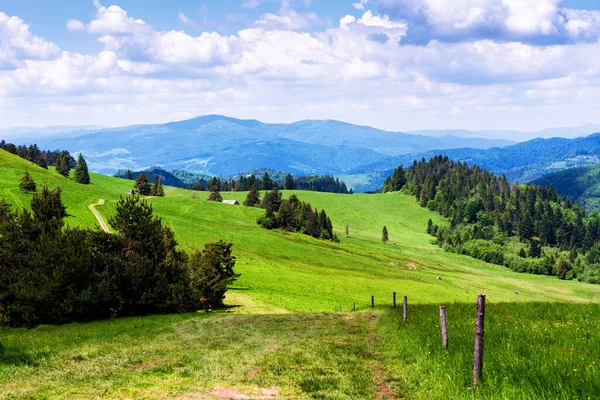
[271, 202]
[215, 195]
[128, 175]
[48, 209]
[267, 182]
[429, 226]
[62, 165]
[384, 235]
[157, 188]
[312, 227]
[289, 182]
[142, 185]
[562, 269]
[81, 171]
[27, 183]
[253, 198]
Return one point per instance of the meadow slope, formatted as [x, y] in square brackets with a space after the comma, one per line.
[259, 347]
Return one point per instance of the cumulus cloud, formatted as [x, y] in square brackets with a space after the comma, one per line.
[18, 44]
[539, 21]
[480, 57]
[75, 25]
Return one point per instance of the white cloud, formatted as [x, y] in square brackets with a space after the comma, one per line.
[75, 25]
[493, 19]
[18, 44]
[284, 70]
[250, 3]
[360, 5]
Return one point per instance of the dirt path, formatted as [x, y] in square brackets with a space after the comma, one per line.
[103, 225]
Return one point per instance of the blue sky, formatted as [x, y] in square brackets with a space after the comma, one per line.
[393, 64]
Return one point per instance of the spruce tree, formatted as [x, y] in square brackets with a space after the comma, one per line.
[62, 165]
[142, 185]
[289, 182]
[271, 202]
[384, 235]
[128, 175]
[27, 183]
[253, 198]
[157, 188]
[429, 226]
[215, 195]
[81, 171]
[48, 209]
[267, 182]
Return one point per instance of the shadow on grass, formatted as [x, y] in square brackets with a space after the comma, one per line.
[17, 358]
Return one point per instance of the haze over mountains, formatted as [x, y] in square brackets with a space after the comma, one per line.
[220, 145]
[361, 155]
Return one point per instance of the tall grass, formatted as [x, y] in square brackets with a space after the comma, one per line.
[517, 363]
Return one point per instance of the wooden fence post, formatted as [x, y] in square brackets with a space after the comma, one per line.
[479, 330]
[354, 309]
[405, 319]
[444, 328]
[372, 301]
[394, 300]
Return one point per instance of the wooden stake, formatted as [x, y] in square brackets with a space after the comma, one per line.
[479, 330]
[443, 326]
[372, 301]
[394, 300]
[405, 319]
[354, 309]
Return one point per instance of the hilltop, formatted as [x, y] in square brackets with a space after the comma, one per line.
[222, 146]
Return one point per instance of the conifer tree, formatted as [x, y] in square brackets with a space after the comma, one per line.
[384, 235]
[157, 188]
[271, 202]
[128, 175]
[48, 209]
[81, 171]
[312, 227]
[429, 226]
[267, 182]
[27, 183]
[289, 182]
[62, 165]
[142, 185]
[253, 198]
[215, 195]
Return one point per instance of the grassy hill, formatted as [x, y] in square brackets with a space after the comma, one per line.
[317, 353]
[581, 184]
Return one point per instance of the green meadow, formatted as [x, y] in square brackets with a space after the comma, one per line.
[283, 335]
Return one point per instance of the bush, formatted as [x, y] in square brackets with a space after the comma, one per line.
[53, 276]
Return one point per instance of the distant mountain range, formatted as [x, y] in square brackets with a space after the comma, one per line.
[219, 145]
[361, 156]
[519, 136]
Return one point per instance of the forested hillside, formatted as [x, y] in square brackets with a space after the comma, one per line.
[581, 184]
[527, 228]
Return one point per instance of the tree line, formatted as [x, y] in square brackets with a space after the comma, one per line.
[313, 183]
[527, 228]
[60, 159]
[54, 274]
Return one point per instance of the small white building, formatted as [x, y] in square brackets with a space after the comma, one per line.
[231, 202]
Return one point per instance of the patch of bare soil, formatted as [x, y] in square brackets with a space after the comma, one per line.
[232, 393]
[383, 391]
[411, 266]
[144, 365]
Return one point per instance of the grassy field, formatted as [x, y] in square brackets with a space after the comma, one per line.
[307, 354]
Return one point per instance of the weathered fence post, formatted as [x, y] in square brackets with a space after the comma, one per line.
[444, 328]
[354, 309]
[479, 330]
[405, 308]
[394, 300]
[372, 301]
